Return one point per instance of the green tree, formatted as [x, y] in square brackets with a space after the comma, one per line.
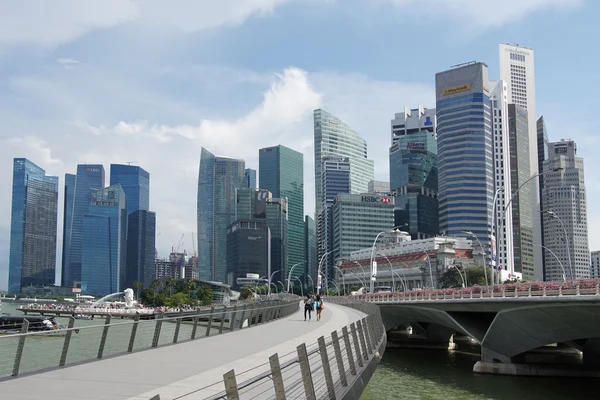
[204, 295]
[179, 299]
[245, 294]
[170, 285]
[137, 285]
[474, 275]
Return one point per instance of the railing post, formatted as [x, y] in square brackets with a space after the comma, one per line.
[560, 289]
[444, 295]
[243, 316]
[231, 386]
[597, 288]
[359, 356]
[104, 336]
[365, 327]
[232, 319]
[338, 356]
[177, 326]
[195, 320]
[309, 388]
[136, 322]
[326, 368]
[210, 320]
[348, 350]
[361, 335]
[65, 350]
[471, 294]
[529, 291]
[20, 347]
[543, 290]
[277, 377]
[578, 292]
[222, 319]
[157, 328]
[516, 291]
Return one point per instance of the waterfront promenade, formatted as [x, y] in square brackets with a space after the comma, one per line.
[175, 371]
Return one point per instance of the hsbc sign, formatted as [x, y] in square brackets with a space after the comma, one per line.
[375, 199]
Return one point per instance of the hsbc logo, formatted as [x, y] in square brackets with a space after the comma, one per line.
[375, 199]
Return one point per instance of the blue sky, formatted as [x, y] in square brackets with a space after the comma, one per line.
[152, 81]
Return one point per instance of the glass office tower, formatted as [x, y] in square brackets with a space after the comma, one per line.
[250, 178]
[89, 179]
[104, 244]
[34, 213]
[69, 197]
[218, 178]
[141, 247]
[135, 182]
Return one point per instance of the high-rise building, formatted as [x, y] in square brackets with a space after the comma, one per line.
[69, 194]
[465, 157]
[104, 247]
[34, 213]
[503, 223]
[89, 178]
[250, 178]
[595, 264]
[135, 181]
[379, 187]
[281, 172]
[334, 138]
[517, 69]
[218, 178]
[141, 247]
[565, 213]
[248, 249]
[522, 210]
[310, 251]
[542, 145]
[414, 171]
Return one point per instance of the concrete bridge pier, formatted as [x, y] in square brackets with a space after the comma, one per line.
[422, 335]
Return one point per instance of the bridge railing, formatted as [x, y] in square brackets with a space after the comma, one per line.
[326, 369]
[28, 352]
[588, 287]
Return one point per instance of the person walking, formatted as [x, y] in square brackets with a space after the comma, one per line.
[308, 306]
[320, 307]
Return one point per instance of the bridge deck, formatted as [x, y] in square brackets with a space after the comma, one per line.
[173, 371]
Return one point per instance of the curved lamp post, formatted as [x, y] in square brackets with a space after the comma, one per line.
[320, 270]
[463, 278]
[392, 230]
[430, 270]
[343, 279]
[482, 254]
[290, 274]
[567, 242]
[282, 286]
[391, 270]
[270, 278]
[557, 259]
[300, 282]
[311, 282]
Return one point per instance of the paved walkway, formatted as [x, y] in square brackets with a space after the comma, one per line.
[176, 370]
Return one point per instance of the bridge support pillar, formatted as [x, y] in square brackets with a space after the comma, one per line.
[491, 356]
[591, 352]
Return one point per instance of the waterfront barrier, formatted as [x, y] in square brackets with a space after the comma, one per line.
[29, 352]
[334, 367]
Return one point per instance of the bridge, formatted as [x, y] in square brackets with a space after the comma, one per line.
[261, 350]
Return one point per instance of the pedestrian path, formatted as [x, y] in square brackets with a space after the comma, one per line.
[175, 371]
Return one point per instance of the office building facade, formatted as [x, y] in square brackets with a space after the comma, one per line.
[281, 171]
[595, 264]
[141, 248]
[565, 213]
[89, 179]
[310, 252]
[465, 157]
[34, 213]
[542, 145]
[250, 178]
[414, 171]
[248, 249]
[522, 210]
[378, 187]
[218, 178]
[104, 244]
[135, 182]
[69, 197]
[332, 137]
[517, 69]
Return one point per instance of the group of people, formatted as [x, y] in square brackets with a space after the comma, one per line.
[311, 303]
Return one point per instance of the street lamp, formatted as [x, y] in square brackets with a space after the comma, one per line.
[300, 282]
[311, 282]
[553, 215]
[320, 270]
[391, 270]
[393, 230]
[343, 279]
[282, 286]
[463, 278]
[290, 274]
[270, 278]
[430, 271]
[482, 254]
[557, 259]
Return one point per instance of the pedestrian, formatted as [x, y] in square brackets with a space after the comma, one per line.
[308, 306]
[320, 307]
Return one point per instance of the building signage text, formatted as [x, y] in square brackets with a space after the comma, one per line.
[456, 89]
[415, 146]
[375, 199]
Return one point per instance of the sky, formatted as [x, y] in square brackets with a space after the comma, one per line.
[151, 82]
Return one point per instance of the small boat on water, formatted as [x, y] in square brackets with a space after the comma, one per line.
[87, 317]
[10, 325]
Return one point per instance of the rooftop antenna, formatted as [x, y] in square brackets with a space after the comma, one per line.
[465, 63]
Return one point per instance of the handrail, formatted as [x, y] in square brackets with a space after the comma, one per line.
[92, 342]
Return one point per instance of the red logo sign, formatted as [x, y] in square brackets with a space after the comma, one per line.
[385, 200]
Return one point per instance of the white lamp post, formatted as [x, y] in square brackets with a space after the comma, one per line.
[393, 230]
[290, 274]
[320, 270]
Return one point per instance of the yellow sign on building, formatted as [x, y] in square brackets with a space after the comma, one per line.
[456, 89]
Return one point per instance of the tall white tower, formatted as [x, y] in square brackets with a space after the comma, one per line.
[517, 70]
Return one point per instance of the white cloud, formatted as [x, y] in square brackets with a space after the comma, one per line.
[35, 148]
[480, 14]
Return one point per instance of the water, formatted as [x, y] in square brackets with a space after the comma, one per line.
[411, 374]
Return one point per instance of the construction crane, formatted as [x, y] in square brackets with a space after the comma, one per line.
[195, 255]
[180, 243]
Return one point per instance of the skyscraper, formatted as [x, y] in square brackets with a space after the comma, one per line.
[218, 178]
[522, 210]
[334, 138]
[248, 249]
[465, 158]
[32, 259]
[89, 179]
[250, 178]
[565, 213]
[135, 182]
[104, 247]
[542, 144]
[517, 69]
[310, 251]
[281, 171]
[141, 248]
[414, 171]
[69, 197]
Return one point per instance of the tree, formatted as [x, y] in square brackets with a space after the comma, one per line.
[474, 276]
[245, 294]
[204, 295]
[179, 299]
[170, 284]
[137, 285]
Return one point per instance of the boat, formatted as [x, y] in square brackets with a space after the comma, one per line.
[87, 317]
[10, 325]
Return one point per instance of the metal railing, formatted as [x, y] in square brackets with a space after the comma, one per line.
[327, 369]
[27, 352]
[589, 287]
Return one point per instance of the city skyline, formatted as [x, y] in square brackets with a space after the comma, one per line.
[65, 126]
